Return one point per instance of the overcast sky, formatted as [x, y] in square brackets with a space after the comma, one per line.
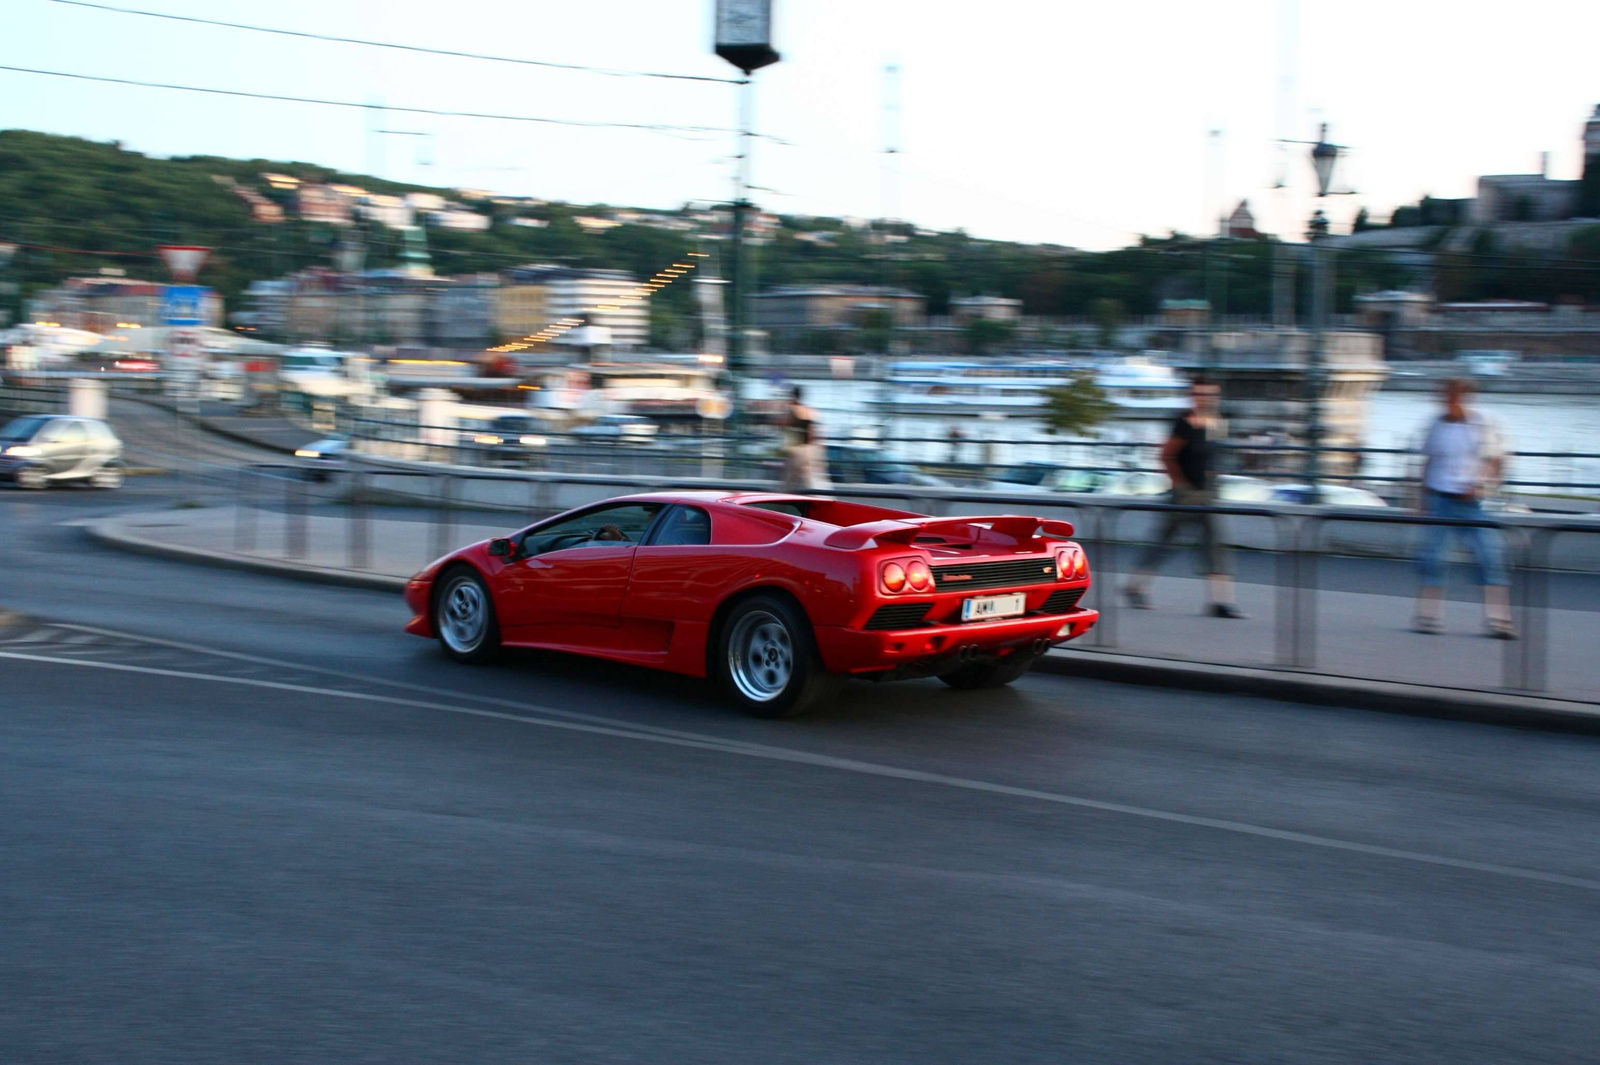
[1036, 120]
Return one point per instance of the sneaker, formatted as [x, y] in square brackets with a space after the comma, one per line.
[1502, 630]
[1428, 626]
[1135, 598]
[1227, 610]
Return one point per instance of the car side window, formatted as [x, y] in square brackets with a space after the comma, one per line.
[682, 527]
[798, 510]
[619, 526]
[63, 432]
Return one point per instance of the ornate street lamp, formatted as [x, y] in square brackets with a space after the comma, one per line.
[1323, 158]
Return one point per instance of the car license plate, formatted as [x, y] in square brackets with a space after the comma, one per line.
[980, 607]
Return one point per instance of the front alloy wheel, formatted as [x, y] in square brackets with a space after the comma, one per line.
[463, 617]
[30, 477]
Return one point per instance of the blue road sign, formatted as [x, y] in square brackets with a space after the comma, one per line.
[185, 305]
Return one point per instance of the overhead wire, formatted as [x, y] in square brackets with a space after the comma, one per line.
[436, 112]
[332, 38]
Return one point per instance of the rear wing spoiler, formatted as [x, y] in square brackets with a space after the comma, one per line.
[1007, 529]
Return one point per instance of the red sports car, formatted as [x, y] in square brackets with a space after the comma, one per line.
[780, 597]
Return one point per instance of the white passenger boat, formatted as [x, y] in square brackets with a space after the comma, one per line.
[1141, 388]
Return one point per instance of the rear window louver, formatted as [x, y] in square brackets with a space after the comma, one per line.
[963, 575]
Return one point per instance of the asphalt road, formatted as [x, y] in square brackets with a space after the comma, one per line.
[341, 847]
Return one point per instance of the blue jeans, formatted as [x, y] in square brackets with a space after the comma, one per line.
[1485, 543]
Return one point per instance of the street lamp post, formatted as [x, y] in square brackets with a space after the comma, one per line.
[743, 38]
[7, 288]
[1323, 157]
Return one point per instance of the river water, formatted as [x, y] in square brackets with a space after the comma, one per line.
[1531, 423]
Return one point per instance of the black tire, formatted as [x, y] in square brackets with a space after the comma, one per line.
[766, 659]
[996, 674]
[107, 477]
[464, 640]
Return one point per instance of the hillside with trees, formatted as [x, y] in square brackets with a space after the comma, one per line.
[74, 206]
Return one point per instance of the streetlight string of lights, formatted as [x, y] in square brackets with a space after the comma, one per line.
[637, 294]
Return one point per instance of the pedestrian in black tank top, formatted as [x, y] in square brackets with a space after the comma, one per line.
[1187, 455]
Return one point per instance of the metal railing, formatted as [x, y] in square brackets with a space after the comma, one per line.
[438, 502]
[1386, 471]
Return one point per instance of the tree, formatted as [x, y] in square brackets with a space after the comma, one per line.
[1585, 248]
[877, 326]
[1078, 409]
[1406, 217]
[1589, 188]
[1108, 315]
[983, 334]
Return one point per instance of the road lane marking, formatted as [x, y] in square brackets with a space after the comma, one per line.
[783, 754]
[571, 715]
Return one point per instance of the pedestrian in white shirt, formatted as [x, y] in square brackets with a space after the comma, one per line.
[1463, 459]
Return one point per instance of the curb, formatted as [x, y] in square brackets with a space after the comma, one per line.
[203, 424]
[110, 534]
[1414, 700]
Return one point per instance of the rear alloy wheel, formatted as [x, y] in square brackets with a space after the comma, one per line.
[995, 674]
[768, 661]
[463, 617]
[106, 477]
[30, 477]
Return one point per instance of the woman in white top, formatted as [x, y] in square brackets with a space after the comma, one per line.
[804, 464]
[1463, 459]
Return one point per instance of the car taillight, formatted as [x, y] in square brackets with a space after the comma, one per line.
[894, 577]
[919, 575]
[1072, 564]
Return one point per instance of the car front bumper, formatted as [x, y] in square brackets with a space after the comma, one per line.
[926, 648]
[418, 595]
[10, 467]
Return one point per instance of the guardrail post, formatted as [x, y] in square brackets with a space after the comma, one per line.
[1536, 615]
[249, 491]
[360, 538]
[1305, 593]
[296, 517]
[443, 516]
[238, 508]
[1105, 531]
[1284, 602]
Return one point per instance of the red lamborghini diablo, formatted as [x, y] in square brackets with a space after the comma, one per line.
[779, 597]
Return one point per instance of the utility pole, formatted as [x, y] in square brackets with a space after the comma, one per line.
[743, 38]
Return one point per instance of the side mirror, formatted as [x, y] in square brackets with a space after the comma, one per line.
[501, 547]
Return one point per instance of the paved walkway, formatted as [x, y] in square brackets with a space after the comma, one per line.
[1358, 634]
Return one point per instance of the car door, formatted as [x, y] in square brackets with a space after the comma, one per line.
[64, 442]
[573, 574]
[675, 567]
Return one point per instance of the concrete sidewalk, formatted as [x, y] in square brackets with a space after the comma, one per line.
[1366, 654]
[245, 538]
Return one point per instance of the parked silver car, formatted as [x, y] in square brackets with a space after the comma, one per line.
[43, 449]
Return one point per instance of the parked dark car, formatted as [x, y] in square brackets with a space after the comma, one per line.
[37, 450]
[321, 459]
[511, 440]
[861, 464]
